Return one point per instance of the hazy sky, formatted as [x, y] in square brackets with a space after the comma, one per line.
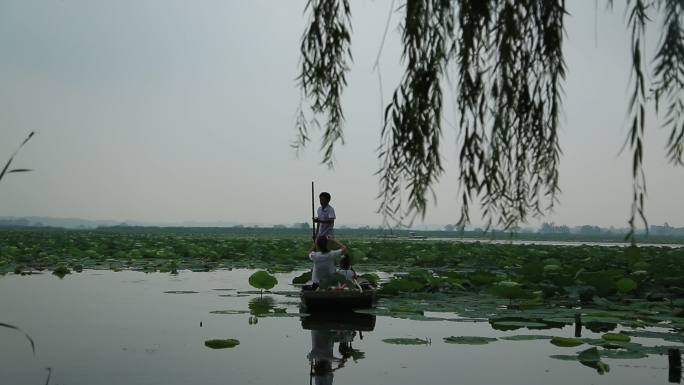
[184, 110]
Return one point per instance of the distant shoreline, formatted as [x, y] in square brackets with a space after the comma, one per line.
[496, 236]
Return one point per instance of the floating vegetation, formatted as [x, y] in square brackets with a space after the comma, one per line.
[518, 323]
[592, 359]
[626, 285]
[281, 313]
[222, 344]
[621, 294]
[616, 337]
[566, 342]
[667, 336]
[229, 312]
[623, 354]
[262, 280]
[302, 278]
[61, 271]
[407, 341]
[469, 340]
[526, 337]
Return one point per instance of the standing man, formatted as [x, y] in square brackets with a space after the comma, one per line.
[325, 221]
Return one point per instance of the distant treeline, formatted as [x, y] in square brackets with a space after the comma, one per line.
[653, 230]
[547, 232]
[347, 233]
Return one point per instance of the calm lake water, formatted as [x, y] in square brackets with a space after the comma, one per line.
[103, 327]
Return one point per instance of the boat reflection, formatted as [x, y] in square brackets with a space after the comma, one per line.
[328, 329]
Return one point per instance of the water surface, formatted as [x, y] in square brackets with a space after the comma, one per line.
[103, 327]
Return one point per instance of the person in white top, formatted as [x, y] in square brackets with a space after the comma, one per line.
[324, 260]
[325, 221]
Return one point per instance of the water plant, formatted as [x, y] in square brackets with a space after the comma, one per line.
[262, 280]
[222, 344]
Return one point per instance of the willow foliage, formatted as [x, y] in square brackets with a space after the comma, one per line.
[6, 169]
[325, 52]
[508, 57]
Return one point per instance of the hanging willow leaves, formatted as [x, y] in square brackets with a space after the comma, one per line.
[412, 130]
[669, 77]
[6, 170]
[325, 52]
[508, 59]
[637, 22]
[510, 66]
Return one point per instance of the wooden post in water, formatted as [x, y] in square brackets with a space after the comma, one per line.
[578, 325]
[675, 371]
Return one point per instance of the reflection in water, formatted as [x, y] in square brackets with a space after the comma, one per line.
[260, 305]
[327, 329]
[33, 344]
[263, 307]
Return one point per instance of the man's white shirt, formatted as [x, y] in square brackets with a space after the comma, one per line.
[326, 213]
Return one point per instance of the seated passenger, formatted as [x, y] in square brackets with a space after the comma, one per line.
[345, 269]
[324, 260]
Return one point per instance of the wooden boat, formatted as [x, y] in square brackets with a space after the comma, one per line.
[337, 300]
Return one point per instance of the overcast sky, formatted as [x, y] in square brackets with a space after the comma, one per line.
[168, 110]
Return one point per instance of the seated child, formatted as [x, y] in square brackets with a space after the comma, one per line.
[345, 268]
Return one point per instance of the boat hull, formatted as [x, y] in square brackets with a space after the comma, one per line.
[337, 300]
[346, 320]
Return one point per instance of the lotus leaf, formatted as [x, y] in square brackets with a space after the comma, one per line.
[602, 281]
[533, 271]
[229, 312]
[406, 341]
[525, 337]
[616, 337]
[61, 271]
[469, 340]
[673, 337]
[397, 285]
[521, 324]
[566, 342]
[262, 280]
[562, 279]
[623, 354]
[592, 358]
[302, 278]
[564, 357]
[625, 285]
[508, 289]
[481, 278]
[552, 261]
[372, 278]
[222, 344]
[405, 309]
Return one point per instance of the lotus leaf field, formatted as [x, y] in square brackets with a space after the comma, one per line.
[509, 286]
[625, 303]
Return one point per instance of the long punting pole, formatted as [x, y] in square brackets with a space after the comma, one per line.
[313, 224]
